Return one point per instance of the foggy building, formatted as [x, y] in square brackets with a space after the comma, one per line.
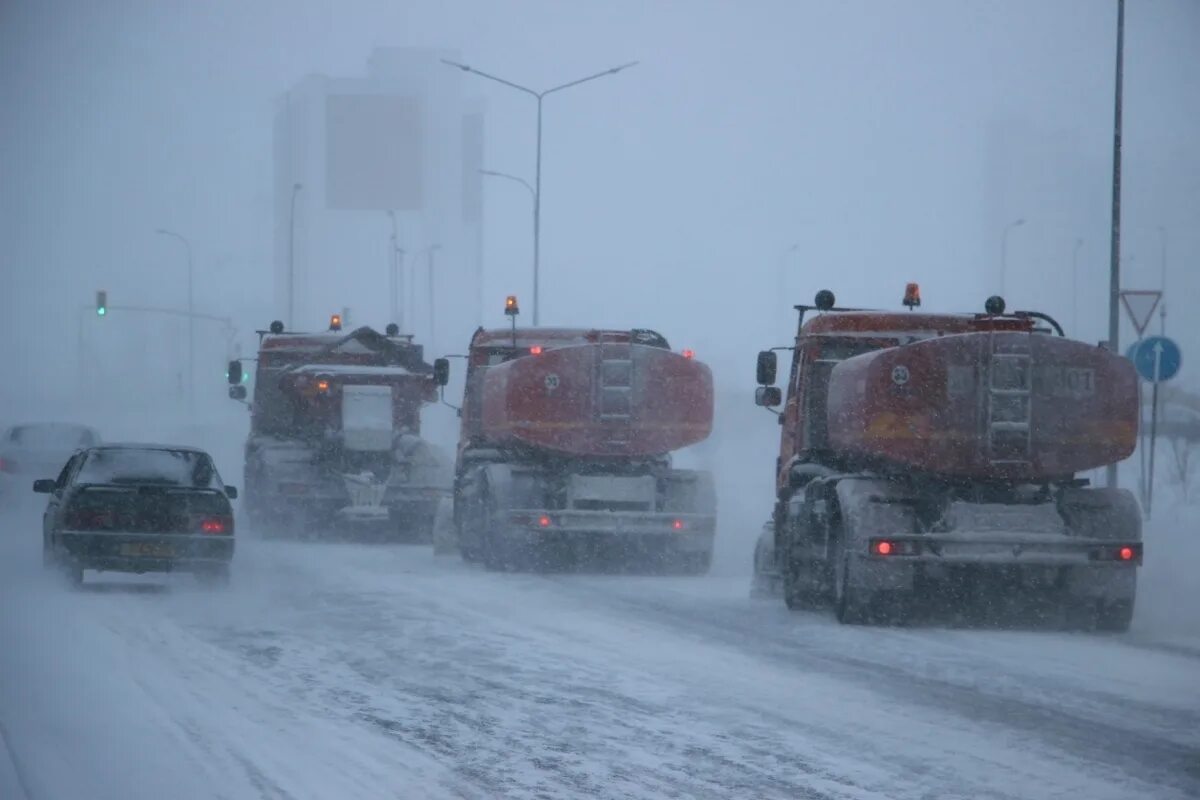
[376, 182]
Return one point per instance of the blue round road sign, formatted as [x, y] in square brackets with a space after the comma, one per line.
[1156, 354]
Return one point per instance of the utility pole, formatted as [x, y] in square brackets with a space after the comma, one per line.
[1114, 281]
[1075, 288]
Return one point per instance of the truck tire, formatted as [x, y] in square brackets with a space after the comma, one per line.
[850, 604]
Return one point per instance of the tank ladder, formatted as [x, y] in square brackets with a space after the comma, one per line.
[1009, 434]
[614, 389]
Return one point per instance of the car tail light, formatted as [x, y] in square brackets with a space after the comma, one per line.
[544, 521]
[216, 525]
[677, 525]
[1129, 553]
[894, 547]
[536, 350]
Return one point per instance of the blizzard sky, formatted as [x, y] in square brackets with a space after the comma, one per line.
[889, 141]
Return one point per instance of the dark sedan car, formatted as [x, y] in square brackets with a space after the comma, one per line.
[138, 508]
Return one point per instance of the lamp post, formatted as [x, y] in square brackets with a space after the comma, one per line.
[296, 187]
[1114, 255]
[537, 193]
[781, 281]
[532, 197]
[1016, 223]
[191, 310]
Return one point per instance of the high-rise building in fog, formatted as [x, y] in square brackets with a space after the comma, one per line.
[374, 172]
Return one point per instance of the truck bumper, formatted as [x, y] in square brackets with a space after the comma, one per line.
[680, 532]
[1078, 567]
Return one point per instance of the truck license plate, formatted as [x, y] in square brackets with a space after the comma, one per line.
[152, 549]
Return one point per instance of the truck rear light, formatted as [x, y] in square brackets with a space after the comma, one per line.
[894, 547]
[215, 525]
[1125, 554]
[677, 525]
[689, 353]
[536, 350]
[544, 521]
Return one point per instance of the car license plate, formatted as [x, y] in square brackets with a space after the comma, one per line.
[147, 549]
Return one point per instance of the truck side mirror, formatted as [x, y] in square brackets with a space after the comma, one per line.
[766, 368]
[237, 392]
[768, 396]
[441, 371]
[231, 492]
[235, 373]
[45, 486]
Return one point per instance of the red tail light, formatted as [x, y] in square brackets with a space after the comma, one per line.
[1129, 553]
[216, 525]
[894, 547]
[883, 548]
[7, 466]
[536, 350]
[677, 524]
[1126, 554]
[544, 521]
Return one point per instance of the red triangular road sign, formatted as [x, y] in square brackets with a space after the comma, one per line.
[1139, 305]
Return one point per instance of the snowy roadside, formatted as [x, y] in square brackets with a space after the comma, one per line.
[11, 785]
[1168, 610]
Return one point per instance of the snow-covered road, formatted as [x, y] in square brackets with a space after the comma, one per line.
[357, 671]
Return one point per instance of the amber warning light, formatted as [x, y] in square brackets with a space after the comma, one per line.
[511, 308]
[912, 295]
[335, 322]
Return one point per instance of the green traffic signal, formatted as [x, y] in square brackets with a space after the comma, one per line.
[101, 303]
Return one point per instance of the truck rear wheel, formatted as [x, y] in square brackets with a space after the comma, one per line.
[851, 605]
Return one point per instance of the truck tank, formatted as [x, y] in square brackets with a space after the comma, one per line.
[1004, 405]
[566, 446]
[617, 400]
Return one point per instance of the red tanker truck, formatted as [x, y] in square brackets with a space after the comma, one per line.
[565, 450]
[936, 455]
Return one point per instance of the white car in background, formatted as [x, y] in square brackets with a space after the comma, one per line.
[35, 450]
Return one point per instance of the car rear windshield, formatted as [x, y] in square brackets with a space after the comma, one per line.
[158, 467]
[52, 437]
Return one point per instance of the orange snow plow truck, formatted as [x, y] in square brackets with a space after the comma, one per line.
[565, 451]
[936, 456]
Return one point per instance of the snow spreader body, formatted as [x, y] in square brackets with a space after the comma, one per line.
[937, 456]
[335, 440]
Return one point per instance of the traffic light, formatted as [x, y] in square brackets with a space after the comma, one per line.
[101, 303]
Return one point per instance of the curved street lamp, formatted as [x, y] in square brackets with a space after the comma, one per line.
[537, 191]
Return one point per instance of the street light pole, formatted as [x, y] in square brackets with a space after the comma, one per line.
[537, 180]
[1114, 257]
[1016, 223]
[296, 187]
[191, 318]
[532, 197]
